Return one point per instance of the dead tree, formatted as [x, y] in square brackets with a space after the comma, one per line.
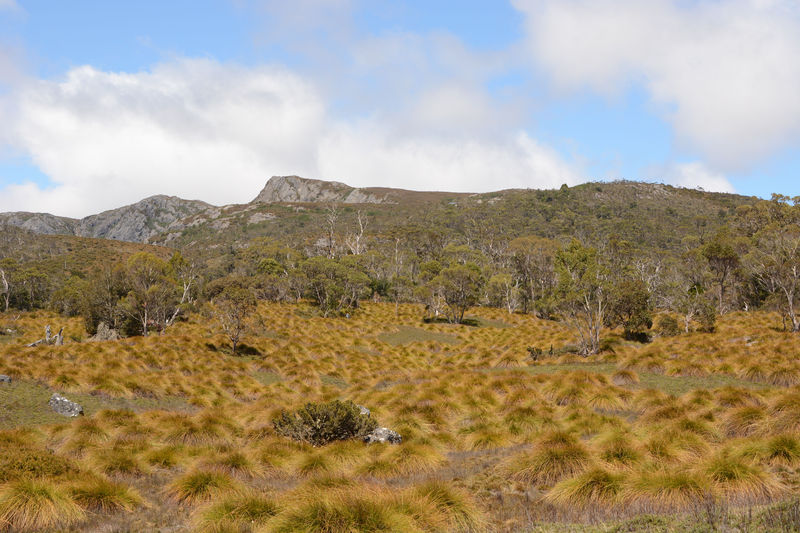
[49, 339]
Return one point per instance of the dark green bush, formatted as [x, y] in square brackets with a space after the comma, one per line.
[319, 424]
[668, 326]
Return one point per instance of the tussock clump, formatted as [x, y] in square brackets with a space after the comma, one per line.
[198, 486]
[665, 490]
[362, 510]
[555, 457]
[782, 450]
[595, 488]
[739, 479]
[623, 377]
[458, 508]
[104, 496]
[743, 421]
[236, 513]
[33, 505]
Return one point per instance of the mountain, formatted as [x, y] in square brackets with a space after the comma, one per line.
[134, 223]
[295, 211]
[296, 189]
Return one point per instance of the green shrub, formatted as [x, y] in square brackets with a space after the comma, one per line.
[29, 462]
[319, 424]
[668, 326]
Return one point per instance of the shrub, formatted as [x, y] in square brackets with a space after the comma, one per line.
[668, 326]
[319, 424]
[26, 462]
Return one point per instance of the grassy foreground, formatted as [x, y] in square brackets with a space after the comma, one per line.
[698, 432]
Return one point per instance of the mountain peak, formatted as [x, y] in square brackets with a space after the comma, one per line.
[297, 189]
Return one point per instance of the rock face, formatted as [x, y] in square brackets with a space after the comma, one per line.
[383, 435]
[64, 407]
[5, 379]
[140, 221]
[297, 189]
[135, 223]
[105, 333]
[43, 223]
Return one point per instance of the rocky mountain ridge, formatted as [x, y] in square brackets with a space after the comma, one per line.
[294, 206]
[303, 190]
[134, 223]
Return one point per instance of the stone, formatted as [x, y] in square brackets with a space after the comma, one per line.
[105, 333]
[64, 407]
[364, 410]
[383, 435]
[5, 379]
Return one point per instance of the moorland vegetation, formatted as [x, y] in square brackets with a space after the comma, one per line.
[539, 383]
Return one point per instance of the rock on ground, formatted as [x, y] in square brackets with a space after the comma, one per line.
[383, 435]
[5, 379]
[64, 407]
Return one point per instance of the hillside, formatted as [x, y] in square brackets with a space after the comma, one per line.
[294, 210]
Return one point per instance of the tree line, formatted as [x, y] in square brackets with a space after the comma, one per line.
[753, 262]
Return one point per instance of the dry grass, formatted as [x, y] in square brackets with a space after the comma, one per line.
[178, 428]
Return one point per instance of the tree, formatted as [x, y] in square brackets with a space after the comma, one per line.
[532, 259]
[152, 297]
[232, 308]
[185, 273]
[334, 285]
[629, 306]
[722, 259]
[503, 291]
[100, 302]
[583, 292]
[7, 267]
[775, 257]
[460, 287]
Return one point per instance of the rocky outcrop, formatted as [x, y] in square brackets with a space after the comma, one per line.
[297, 189]
[64, 407]
[383, 435]
[104, 333]
[42, 223]
[142, 220]
[5, 379]
[135, 223]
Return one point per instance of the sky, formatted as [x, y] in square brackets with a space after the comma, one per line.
[105, 103]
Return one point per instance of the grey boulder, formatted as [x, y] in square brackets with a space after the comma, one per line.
[5, 379]
[64, 407]
[383, 435]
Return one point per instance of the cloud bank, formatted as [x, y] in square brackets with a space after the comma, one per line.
[724, 73]
[219, 131]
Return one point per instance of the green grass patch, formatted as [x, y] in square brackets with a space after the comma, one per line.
[333, 381]
[266, 378]
[409, 334]
[675, 385]
[24, 403]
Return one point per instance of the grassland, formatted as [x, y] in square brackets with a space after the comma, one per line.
[696, 432]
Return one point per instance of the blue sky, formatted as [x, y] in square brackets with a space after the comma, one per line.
[103, 103]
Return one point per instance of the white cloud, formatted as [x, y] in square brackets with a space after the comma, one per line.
[724, 72]
[201, 129]
[371, 156]
[696, 175]
[9, 4]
